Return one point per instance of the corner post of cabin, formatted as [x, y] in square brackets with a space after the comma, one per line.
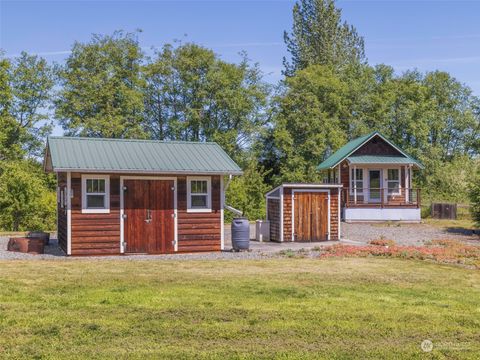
[222, 220]
[407, 183]
[339, 177]
[355, 184]
[69, 213]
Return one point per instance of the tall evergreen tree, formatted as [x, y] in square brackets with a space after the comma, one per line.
[319, 37]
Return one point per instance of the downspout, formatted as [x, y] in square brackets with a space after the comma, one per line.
[228, 207]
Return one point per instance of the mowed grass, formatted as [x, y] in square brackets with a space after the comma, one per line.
[277, 308]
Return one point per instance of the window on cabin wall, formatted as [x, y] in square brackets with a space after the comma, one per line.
[393, 181]
[199, 194]
[358, 181]
[95, 194]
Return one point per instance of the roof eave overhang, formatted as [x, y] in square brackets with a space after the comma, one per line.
[419, 166]
[149, 172]
[376, 133]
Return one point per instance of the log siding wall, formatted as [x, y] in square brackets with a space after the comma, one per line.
[99, 234]
[199, 231]
[95, 234]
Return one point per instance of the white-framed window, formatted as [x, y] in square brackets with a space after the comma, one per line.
[358, 181]
[199, 194]
[393, 181]
[95, 194]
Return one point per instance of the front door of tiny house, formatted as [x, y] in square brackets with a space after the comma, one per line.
[149, 216]
[311, 215]
[374, 185]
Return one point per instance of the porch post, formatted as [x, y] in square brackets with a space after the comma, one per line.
[407, 183]
[355, 184]
[339, 180]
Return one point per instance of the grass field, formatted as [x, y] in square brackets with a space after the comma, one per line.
[280, 308]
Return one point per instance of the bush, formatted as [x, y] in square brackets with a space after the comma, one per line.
[444, 251]
[475, 199]
[26, 201]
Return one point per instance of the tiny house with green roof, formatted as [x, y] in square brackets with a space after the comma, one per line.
[377, 180]
[118, 196]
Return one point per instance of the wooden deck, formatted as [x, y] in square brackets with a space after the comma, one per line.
[380, 198]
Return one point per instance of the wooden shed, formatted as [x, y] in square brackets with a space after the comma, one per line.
[137, 196]
[304, 212]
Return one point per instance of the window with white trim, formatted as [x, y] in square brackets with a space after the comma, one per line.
[358, 181]
[95, 194]
[199, 194]
[393, 181]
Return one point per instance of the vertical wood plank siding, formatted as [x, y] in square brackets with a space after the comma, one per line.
[62, 214]
[273, 206]
[198, 231]
[95, 234]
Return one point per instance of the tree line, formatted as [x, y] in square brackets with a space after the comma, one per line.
[108, 87]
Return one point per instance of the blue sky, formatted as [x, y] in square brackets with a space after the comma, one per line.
[426, 35]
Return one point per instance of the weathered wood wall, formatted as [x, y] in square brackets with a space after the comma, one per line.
[273, 207]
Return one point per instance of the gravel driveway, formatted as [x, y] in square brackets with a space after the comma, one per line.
[356, 234]
[403, 234]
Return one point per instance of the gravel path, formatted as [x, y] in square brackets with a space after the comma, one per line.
[403, 234]
[352, 234]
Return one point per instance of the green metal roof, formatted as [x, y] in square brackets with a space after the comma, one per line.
[339, 155]
[137, 156]
[375, 159]
[346, 150]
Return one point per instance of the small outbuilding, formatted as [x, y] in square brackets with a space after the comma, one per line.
[304, 212]
[119, 196]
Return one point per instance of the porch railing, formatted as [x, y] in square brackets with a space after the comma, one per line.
[380, 197]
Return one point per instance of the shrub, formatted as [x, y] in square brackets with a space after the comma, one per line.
[445, 251]
[475, 199]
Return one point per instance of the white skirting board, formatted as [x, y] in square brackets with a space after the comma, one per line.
[379, 214]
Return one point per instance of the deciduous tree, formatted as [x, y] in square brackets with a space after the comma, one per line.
[101, 88]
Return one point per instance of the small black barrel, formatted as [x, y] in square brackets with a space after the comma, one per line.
[240, 234]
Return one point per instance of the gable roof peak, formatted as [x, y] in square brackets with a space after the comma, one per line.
[353, 145]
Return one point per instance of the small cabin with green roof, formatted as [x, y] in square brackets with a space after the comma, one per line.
[117, 196]
[377, 180]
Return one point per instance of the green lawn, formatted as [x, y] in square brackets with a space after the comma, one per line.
[281, 308]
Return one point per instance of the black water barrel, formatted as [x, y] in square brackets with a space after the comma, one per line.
[240, 234]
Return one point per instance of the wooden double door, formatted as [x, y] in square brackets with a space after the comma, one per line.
[149, 216]
[310, 216]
